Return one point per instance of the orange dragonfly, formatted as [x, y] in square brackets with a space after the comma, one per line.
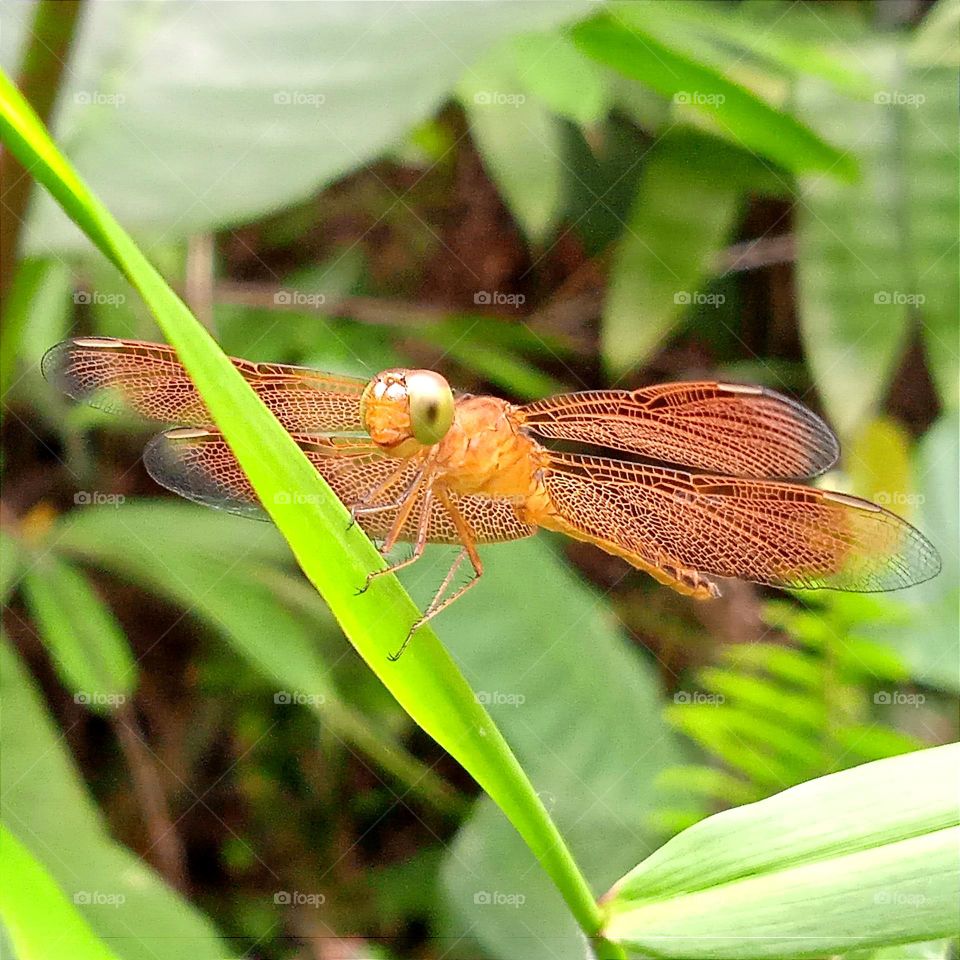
[416, 462]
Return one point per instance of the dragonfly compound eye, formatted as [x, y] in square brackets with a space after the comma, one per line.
[431, 405]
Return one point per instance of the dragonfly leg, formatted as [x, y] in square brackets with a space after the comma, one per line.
[439, 603]
[684, 580]
[364, 507]
[423, 525]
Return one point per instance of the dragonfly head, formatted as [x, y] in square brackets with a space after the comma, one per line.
[402, 405]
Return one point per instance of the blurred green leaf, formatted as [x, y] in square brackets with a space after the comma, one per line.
[550, 67]
[520, 141]
[41, 922]
[34, 316]
[738, 114]
[693, 26]
[874, 259]
[683, 213]
[582, 710]
[232, 599]
[276, 107]
[935, 40]
[46, 805]
[778, 878]
[84, 640]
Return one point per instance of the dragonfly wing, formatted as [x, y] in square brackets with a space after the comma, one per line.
[720, 427]
[198, 464]
[147, 378]
[780, 534]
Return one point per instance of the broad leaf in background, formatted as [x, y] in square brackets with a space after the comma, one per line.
[46, 805]
[623, 43]
[179, 551]
[872, 266]
[269, 109]
[779, 878]
[582, 710]
[520, 140]
[927, 638]
[683, 214]
[551, 68]
[39, 919]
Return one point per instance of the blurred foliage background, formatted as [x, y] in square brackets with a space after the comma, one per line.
[530, 198]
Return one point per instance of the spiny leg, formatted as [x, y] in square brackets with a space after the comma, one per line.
[362, 506]
[423, 525]
[469, 550]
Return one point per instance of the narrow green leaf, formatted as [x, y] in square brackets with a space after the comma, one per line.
[683, 213]
[867, 856]
[41, 921]
[739, 115]
[426, 682]
[47, 805]
[85, 642]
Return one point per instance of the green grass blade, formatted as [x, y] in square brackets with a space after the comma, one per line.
[426, 682]
[41, 922]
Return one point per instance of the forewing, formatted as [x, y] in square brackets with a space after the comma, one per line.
[780, 534]
[147, 378]
[199, 465]
[720, 427]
